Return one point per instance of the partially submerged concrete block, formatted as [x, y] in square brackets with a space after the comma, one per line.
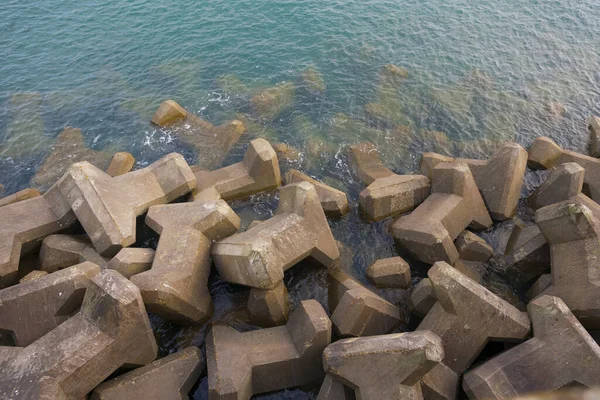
[333, 201]
[259, 256]
[366, 161]
[107, 207]
[390, 272]
[33, 308]
[110, 330]
[428, 233]
[356, 311]
[269, 308]
[594, 128]
[171, 377]
[176, 286]
[473, 248]
[499, 179]
[564, 182]
[131, 261]
[243, 364]
[168, 112]
[33, 275]
[257, 172]
[120, 164]
[572, 229]
[467, 316]
[19, 196]
[62, 251]
[23, 225]
[386, 366]
[561, 353]
[422, 298]
[543, 153]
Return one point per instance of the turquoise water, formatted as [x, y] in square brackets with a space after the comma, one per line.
[481, 72]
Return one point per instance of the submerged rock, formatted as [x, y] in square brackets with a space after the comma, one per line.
[272, 101]
[313, 80]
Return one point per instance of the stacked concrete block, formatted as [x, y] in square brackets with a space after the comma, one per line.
[269, 307]
[473, 248]
[565, 181]
[527, 252]
[19, 196]
[422, 299]
[333, 201]
[120, 164]
[132, 261]
[62, 251]
[594, 128]
[391, 272]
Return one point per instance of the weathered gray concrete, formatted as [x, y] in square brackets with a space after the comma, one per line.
[386, 366]
[428, 233]
[528, 252]
[594, 128]
[333, 201]
[391, 272]
[561, 353]
[107, 207]
[441, 383]
[564, 182]
[422, 298]
[19, 196]
[171, 377]
[259, 256]
[356, 311]
[176, 286]
[32, 276]
[111, 330]
[62, 251]
[120, 164]
[473, 248]
[23, 225]
[132, 261]
[168, 112]
[572, 229]
[257, 172]
[499, 179]
[33, 308]
[467, 316]
[243, 364]
[268, 308]
[365, 159]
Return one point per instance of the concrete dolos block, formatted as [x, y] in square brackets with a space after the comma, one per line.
[356, 310]
[561, 353]
[467, 316]
[107, 207]
[428, 233]
[110, 330]
[61, 251]
[390, 272]
[171, 377]
[473, 248]
[259, 256]
[243, 364]
[572, 229]
[131, 261]
[31, 309]
[387, 194]
[564, 182]
[333, 201]
[257, 172]
[23, 225]
[422, 298]
[269, 308]
[176, 286]
[386, 366]
[528, 252]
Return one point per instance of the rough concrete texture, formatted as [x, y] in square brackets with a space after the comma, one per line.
[243, 364]
[171, 377]
[499, 179]
[23, 225]
[33, 275]
[356, 311]
[253, 224]
[428, 233]
[564, 182]
[518, 226]
[467, 316]
[544, 153]
[422, 298]
[572, 229]
[269, 308]
[391, 272]
[212, 143]
[594, 128]
[560, 353]
[528, 252]
[393, 195]
[110, 330]
[386, 366]
[473, 248]
[132, 261]
[107, 207]
[566, 394]
[539, 286]
[120, 164]
[471, 269]
[365, 159]
[257, 172]
[19, 196]
[259, 256]
[176, 286]
[62, 251]
[334, 389]
[333, 201]
[31, 309]
[441, 383]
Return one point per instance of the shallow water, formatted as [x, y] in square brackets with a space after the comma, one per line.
[481, 72]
